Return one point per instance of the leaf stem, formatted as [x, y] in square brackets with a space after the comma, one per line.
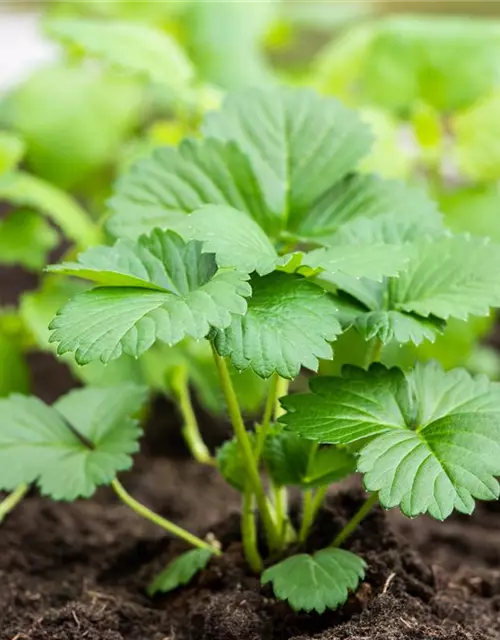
[267, 417]
[145, 512]
[373, 352]
[249, 532]
[247, 451]
[190, 430]
[12, 500]
[312, 503]
[350, 527]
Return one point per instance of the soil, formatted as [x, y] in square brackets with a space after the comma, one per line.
[79, 571]
[74, 571]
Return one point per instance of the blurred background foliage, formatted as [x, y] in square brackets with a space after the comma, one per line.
[133, 75]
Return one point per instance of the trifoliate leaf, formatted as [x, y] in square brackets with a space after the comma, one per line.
[24, 190]
[26, 239]
[175, 181]
[372, 261]
[413, 306]
[11, 151]
[364, 196]
[73, 447]
[236, 239]
[432, 438]
[289, 323]
[180, 571]
[138, 48]
[158, 288]
[476, 132]
[316, 582]
[298, 142]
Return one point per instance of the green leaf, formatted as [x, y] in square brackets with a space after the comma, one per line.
[158, 288]
[373, 261]
[236, 239]
[139, 48]
[231, 464]
[289, 323]
[473, 210]
[180, 571]
[11, 151]
[316, 582]
[431, 439]
[73, 447]
[298, 142]
[292, 460]
[287, 458]
[447, 62]
[463, 281]
[73, 136]
[364, 196]
[413, 306]
[23, 190]
[26, 239]
[329, 465]
[174, 181]
[14, 371]
[476, 132]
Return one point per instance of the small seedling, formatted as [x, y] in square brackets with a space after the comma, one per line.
[264, 239]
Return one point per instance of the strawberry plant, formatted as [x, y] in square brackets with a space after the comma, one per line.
[265, 239]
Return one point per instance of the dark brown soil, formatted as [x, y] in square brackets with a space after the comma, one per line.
[74, 571]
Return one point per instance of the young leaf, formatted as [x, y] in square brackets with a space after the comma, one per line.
[23, 190]
[316, 582]
[236, 239]
[158, 288]
[289, 323]
[431, 438]
[175, 181]
[26, 239]
[73, 447]
[231, 464]
[329, 465]
[139, 48]
[287, 458]
[289, 461]
[373, 261]
[180, 571]
[298, 142]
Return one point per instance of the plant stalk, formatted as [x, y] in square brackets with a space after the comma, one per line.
[374, 351]
[12, 500]
[350, 527]
[249, 532]
[190, 430]
[249, 459]
[145, 512]
[312, 503]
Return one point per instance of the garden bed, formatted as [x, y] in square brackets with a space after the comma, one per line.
[72, 571]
